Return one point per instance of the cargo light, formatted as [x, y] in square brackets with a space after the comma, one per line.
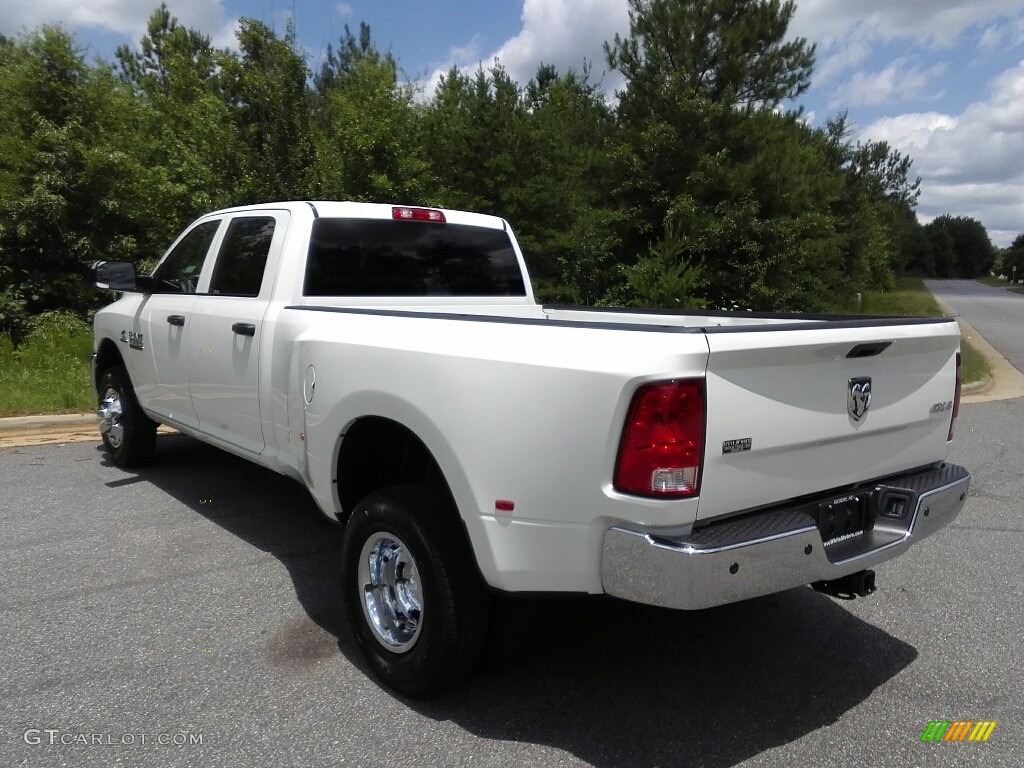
[662, 445]
[417, 214]
[956, 397]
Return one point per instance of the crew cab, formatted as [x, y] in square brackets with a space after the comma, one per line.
[474, 443]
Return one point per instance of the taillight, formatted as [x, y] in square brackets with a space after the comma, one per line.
[417, 214]
[956, 397]
[663, 441]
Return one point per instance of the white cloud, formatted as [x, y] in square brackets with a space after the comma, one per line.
[847, 32]
[344, 10]
[564, 33]
[127, 17]
[851, 53]
[468, 52]
[829, 22]
[899, 80]
[226, 36]
[992, 37]
[969, 163]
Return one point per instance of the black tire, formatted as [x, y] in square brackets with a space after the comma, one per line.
[129, 435]
[439, 637]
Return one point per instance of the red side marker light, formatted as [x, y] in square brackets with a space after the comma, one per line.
[503, 505]
[404, 213]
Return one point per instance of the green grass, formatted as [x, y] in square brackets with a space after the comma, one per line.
[909, 299]
[975, 367]
[997, 283]
[49, 371]
[912, 299]
[993, 281]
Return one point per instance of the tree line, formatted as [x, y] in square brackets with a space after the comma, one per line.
[693, 188]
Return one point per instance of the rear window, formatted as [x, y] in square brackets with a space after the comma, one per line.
[373, 257]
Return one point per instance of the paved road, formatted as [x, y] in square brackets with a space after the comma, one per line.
[996, 313]
[197, 600]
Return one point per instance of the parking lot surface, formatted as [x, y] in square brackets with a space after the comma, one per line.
[188, 614]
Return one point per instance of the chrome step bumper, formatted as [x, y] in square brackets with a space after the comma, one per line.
[777, 549]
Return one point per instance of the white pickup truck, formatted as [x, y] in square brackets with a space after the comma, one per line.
[475, 443]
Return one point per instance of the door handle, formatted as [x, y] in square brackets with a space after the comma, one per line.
[244, 329]
[176, 319]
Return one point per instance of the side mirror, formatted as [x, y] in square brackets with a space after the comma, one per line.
[118, 276]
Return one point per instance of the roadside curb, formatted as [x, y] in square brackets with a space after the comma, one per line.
[59, 420]
[978, 387]
[18, 431]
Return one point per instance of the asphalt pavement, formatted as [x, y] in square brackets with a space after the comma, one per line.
[996, 313]
[188, 614]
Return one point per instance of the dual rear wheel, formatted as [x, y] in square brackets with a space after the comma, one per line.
[415, 601]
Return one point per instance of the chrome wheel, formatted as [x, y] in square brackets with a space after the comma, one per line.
[111, 414]
[392, 596]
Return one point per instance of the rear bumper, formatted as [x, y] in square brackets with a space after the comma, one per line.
[776, 549]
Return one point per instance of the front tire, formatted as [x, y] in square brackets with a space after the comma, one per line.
[415, 602]
[128, 434]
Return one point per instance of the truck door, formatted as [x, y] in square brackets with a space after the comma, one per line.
[156, 354]
[225, 334]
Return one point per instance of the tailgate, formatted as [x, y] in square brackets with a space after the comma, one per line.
[781, 421]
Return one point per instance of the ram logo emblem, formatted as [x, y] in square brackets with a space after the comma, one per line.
[858, 399]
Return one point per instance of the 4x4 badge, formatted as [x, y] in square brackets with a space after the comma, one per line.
[858, 399]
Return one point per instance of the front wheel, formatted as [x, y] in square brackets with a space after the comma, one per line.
[127, 432]
[414, 599]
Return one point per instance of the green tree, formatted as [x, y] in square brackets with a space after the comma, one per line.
[266, 87]
[537, 155]
[186, 139]
[704, 155]
[68, 182]
[172, 61]
[367, 130]
[961, 246]
[777, 214]
[879, 178]
[475, 137]
[941, 250]
[875, 211]
[1013, 257]
[338, 66]
[727, 52]
[564, 217]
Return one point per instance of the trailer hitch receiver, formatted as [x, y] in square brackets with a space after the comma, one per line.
[860, 584]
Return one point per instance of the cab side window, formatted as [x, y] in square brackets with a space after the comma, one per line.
[179, 272]
[243, 256]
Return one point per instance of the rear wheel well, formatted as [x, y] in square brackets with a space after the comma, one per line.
[378, 453]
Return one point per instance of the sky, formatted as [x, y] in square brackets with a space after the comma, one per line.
[940, 80]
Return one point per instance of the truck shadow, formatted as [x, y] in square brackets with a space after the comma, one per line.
[619, 684]
[612, 683]
[270, 512]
